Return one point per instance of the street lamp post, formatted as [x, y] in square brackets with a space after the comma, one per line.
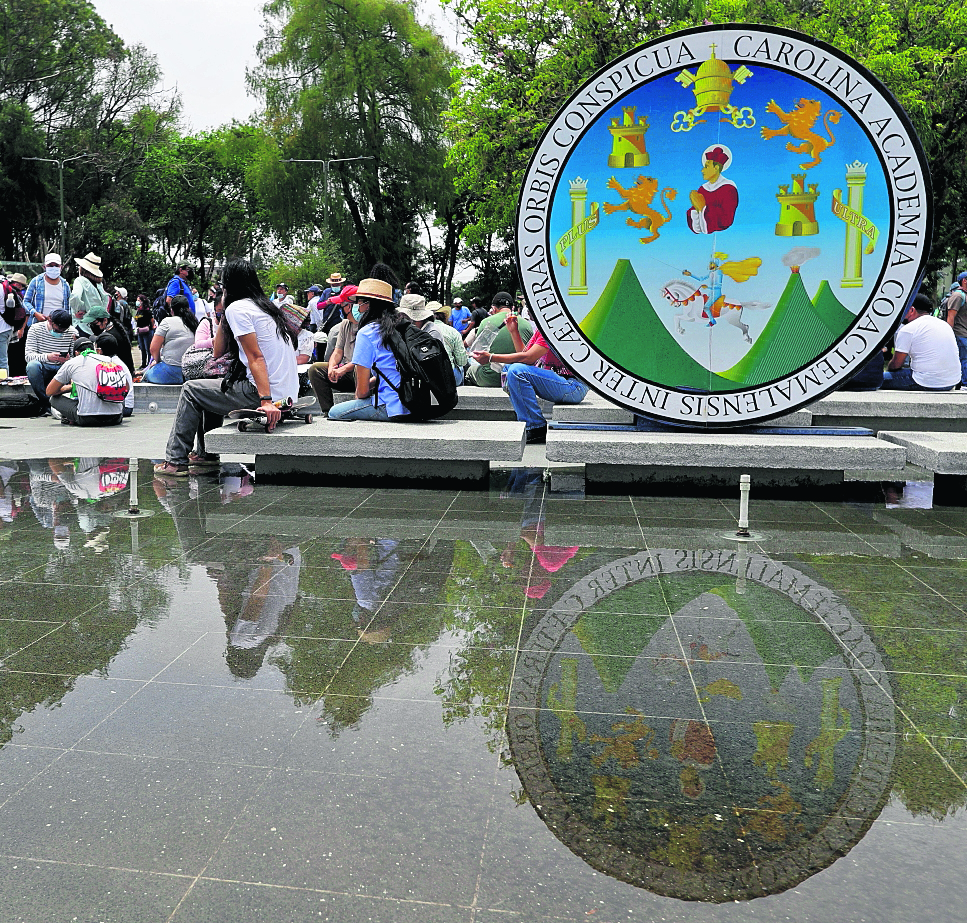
[60, 164]
[325, 172]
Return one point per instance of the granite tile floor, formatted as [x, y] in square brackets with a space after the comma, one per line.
[271, 703]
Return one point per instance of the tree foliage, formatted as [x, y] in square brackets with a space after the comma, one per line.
[527, 58]
[347, 79]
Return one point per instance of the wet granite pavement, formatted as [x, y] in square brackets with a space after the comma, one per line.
[271, 703]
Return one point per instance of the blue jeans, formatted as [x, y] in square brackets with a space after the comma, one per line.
[4, 343]
[902, 380]
[528, 382]
[144, 347]
[962, 349]
[163, 374]
[458, 376]
[358, 409]
[41, 374]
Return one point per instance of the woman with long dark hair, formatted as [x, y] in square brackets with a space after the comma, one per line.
[170, 342]
[255, 332]
[376, 315]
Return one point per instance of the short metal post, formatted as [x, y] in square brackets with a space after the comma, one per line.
[745, 485]
[133, 480]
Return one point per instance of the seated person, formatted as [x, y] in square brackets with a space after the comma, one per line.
[170, 342]
[932, 347]
[451, 340]
[375, 313]
[336, 373]
[493, 336]
[254, 330]
[869, 377]
[535, 371]
[48, 347]
[73, 392]
[424, 315]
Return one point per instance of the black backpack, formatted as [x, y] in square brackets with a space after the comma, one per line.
[427, 387]
[158, 307]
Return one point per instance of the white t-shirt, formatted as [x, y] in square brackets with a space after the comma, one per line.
[932, 347]
[81, 370]
[306, 343]
[244, 317]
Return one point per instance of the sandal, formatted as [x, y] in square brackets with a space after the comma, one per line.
[198, 460]
[174, 471]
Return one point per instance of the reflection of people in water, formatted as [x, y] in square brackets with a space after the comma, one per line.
[715, 201]
[10, 503]
[548, 559]
[269, 593]
[372, 566]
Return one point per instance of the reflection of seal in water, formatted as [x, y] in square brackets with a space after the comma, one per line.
[646, 800]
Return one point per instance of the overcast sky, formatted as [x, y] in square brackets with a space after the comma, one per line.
[204, 47]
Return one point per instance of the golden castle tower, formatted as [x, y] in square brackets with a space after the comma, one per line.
[797, 202]
[628, 144]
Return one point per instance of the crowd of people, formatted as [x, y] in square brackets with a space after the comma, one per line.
[239, 348]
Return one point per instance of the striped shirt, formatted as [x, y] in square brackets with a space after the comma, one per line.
[41, 340]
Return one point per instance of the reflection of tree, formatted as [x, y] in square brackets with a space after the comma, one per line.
[405, 621]
[484, 602]
[114, 592]
[928, 685]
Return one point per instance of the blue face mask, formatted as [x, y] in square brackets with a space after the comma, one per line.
[357, 314]
[57, 333]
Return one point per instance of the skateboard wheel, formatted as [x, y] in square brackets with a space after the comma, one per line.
[243, 426]
[308, 418]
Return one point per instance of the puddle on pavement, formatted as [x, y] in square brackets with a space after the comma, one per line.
[454, 705]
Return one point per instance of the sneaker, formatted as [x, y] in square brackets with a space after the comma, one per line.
[173, 471]
[56, 414]
[537, 435]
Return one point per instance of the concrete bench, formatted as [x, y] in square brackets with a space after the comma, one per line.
[439, 452]
[945, 454]
[597, 409]
[714, 460]
[17, 398]
[475, 404]
[921, 411]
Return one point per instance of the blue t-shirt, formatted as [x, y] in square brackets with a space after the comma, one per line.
[178, 286]
[370, 352]
[459, 318]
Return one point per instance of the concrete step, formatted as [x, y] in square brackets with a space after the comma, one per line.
[447, 451]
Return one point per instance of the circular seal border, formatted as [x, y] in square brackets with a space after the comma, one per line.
[869, 788]
[908, 242]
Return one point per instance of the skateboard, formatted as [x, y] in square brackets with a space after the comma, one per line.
[291, 410]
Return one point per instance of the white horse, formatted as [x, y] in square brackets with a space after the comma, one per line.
[691, 300]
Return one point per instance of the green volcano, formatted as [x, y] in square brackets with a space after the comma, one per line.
[798, 331]
[624, 326]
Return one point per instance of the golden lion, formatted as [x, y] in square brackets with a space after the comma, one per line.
[638, 199]
[799, 124]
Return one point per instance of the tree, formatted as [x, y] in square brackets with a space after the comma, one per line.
[355, 79]
[196, 199]
[527, 58]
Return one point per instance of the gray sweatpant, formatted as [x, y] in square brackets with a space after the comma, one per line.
[201, 407]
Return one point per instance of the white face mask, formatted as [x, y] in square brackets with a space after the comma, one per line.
[53, 272]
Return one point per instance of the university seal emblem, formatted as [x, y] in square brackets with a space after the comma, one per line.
[724, 225]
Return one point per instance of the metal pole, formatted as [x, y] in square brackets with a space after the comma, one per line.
[133, 478]
[63, 231]
[745, 485]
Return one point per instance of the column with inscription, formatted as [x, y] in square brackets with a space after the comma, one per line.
[579, 265]
[853, 255]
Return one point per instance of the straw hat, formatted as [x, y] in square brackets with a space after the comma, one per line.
[375, 290]
[91, 263]
[335, 279]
